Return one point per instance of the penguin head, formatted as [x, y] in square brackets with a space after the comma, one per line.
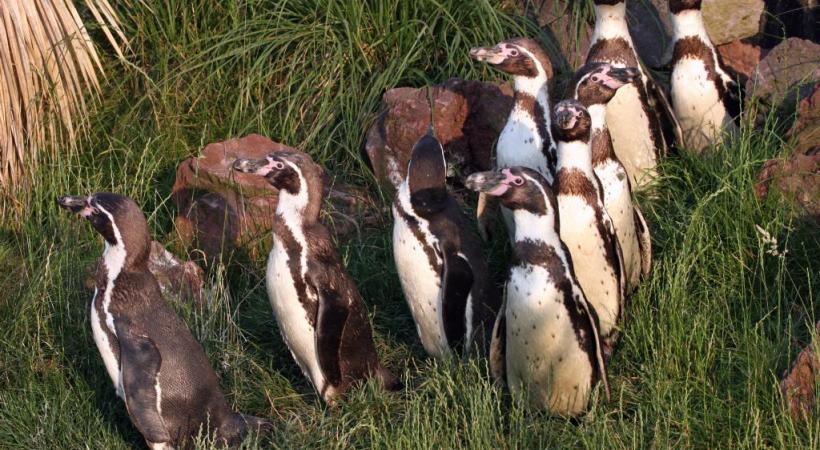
[516, 187]
[571, 121]
[285, 170]
[676, 6]
[426, 173]
[118, 219]
[597, 83]
[517, 57]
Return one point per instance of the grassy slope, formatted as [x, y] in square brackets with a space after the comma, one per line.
[707, 336]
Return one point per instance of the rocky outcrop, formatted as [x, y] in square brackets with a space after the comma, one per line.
[797, 178]
[179, 280]
[791, 64]
[798, 383]
[468, 117]
[741, 57]
[805, 132]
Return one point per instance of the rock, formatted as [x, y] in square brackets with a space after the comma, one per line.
[180, 280]
[650, 29]
[797, 178]
[798, 383]
[567, 33]
[730, 21]
[793, 63]
[741, 57]
[806, 129]
[218, 208]
[469, 116]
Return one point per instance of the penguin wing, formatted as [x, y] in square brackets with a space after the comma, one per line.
[644, 242]
[593, 321]
[330, 326]
[670, 127]
[498, 344]
[140, 363]
[457, 281]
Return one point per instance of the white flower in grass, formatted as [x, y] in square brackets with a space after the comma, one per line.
[771, 242]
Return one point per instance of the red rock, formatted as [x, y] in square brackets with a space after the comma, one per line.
[798, 178]
[798, 383]
[179, 280]
[741, 57]
[806, 128]
[562, 26]
[791, 64]
[469, 116]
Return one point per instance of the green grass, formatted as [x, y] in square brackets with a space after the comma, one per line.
[707, 336]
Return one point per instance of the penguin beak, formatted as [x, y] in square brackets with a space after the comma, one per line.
[624, 75]
[256, 166]
[565, 118]
[490, 55]
[490, 182]
[73, 203]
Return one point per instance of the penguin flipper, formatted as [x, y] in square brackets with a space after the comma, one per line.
[670, 127]
[498, 345]
[330, 325]
[644, 242]
[599, 343]
[457, 281]
[140, 363]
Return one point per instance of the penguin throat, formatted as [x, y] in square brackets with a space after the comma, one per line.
[574, 155]
[299, 205]
[689, 23]
[536, 86]
[530, 226]
[597, 115]
[114, 257]
[610, 22]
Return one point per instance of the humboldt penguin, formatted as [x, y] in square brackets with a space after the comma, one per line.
[320, 313]
[595, 84]
[545, 342]
[704, 96]
[640, 112]
[584, 224]
[526, 139]
[156, 365]
[439, 259]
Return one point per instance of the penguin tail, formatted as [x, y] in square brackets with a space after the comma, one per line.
[387, 380]
[238, 426]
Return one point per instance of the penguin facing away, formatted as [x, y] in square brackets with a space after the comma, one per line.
[594, 86]
[320, 313]
[704, 96]
[640, 112]
[156, 365]
[545, 340]
[526, 139]
[585, 226]
[439, 260]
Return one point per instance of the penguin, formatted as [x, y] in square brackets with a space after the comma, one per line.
[155, 364]
[526, 139]
[545, 342]
[705, 98]
[439, 260]
[594, 86]
[585, 226]
[639, 112]
[320, 313]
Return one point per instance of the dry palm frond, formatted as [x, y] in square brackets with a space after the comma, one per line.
[48, 68]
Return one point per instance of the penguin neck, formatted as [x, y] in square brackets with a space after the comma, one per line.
[536, 87]
[298, 209]
[610, 22]
[601, 151]
[574, 155]
[534, 227]
[689, 23]
[114, 257]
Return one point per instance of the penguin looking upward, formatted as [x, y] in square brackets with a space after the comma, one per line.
[320, 313]
[639, 111]
[439, 260]
[545, 340]
[156, 365]
[704, 96]
[526, 139]
[585, 226]
[595, 84]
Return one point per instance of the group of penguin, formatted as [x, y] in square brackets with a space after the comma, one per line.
[564, 182]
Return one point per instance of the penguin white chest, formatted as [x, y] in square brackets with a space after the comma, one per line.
[696, 103]
[291, 315]
[618, 204]
[544, 356]
[631, 134]
[520, 144]
[112, 365]
[421, 283]
[595, 273]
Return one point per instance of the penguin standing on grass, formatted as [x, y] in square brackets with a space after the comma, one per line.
[585, 226]
[320, 313]
[545, 341]
[439, 260]
[594, 86]
[705, 97]
[156, 365]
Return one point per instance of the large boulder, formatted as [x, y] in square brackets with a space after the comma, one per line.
[568, 34]
[798, 383]
[797, 178]
[793, 63]
[732, 20]
[741, 57]
[468, 117]
[806, 129]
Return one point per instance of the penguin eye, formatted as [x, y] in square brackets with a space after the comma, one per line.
[278, 165]
[513, 52]
[518, 181]
[595, 78]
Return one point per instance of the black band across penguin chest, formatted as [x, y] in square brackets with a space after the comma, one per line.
[533, 107]
[294, 251]
[100, 316]
[415, 228]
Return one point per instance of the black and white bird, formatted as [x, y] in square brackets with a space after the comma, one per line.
[320, 313]
[156, 365]
[439, 259]
[545, 342]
